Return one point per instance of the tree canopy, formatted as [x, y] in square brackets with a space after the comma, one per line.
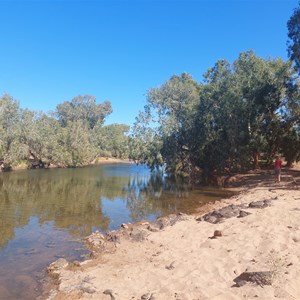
[241, 111]
[294, 38]
[83, 108]
[72, 136]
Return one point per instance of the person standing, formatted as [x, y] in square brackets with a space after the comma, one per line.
[277, 168]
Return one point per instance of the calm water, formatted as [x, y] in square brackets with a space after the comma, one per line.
[45, 213]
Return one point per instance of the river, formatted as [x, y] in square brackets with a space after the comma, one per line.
[44, 214]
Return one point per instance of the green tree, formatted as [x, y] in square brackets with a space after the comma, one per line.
[78, 147]
[294, 38]
[219, 127]
[166, 118]
[290, 146]
[11, 148]
[263, 85]
[83, 108]
[112, 140]
[223, 125]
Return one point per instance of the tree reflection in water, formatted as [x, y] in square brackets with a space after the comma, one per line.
[159, 195]
[41, 211]
[73, 198]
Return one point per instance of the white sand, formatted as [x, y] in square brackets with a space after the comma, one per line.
[200, 267]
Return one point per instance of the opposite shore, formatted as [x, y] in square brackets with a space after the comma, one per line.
[244, 247]
[99, 161]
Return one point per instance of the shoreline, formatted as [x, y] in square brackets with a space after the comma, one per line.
[99, 161]
[186, 257]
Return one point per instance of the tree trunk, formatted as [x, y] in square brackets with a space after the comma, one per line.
[255, 160]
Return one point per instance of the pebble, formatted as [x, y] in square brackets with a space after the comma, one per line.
[218, 233]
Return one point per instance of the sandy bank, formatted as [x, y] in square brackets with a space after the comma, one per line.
[254, 256]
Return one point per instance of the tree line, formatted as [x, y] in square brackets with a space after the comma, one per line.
[71, 136]
[240, 115]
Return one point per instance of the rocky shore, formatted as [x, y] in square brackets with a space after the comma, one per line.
[244, 247]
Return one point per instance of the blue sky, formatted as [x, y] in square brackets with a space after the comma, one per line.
[52, 51]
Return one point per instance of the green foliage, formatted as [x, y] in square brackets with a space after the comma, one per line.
[11, 148]
[242, 110]
[77, 144]
[145, 146]
[112, 139]
[162, 126]
[290, 146]
[294, 38]
[75, 138]
[222, 125]
[83, 108]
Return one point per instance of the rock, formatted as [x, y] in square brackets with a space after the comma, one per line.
[260, 278]
[257, 204]
[55, 267]
[171, 266]
[243, 214]
[147, 296]
[88, 289]
[240, 283]
[218, 233]
[244, 205]
[170, 220]
[76, 263]
[153, 229]
[112, 236]
[109, 292]
[138, 235]
[260, 204]
[212, 219]
[218, 216]
[267, 203]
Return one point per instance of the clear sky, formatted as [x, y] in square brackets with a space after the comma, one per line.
[52, 51]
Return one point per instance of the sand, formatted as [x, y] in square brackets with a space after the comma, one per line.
[186, 261]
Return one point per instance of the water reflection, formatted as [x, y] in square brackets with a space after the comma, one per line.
[73, 198]
[160, 196]
[43, 211]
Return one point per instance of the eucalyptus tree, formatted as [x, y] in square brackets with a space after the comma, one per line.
[111, 140]
[166, 118]
[294, 38]
[242, 112]
[291, 146]
[50, 144]
[11, 148]
[79, 150]
[44, 140]
[79, 117]
[83, 108]
[223, 125]
[219, 126]
[290, 142]
[264, 86]
[145, 145]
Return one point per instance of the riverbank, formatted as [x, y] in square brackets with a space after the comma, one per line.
[250, 250]
[98, 161]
